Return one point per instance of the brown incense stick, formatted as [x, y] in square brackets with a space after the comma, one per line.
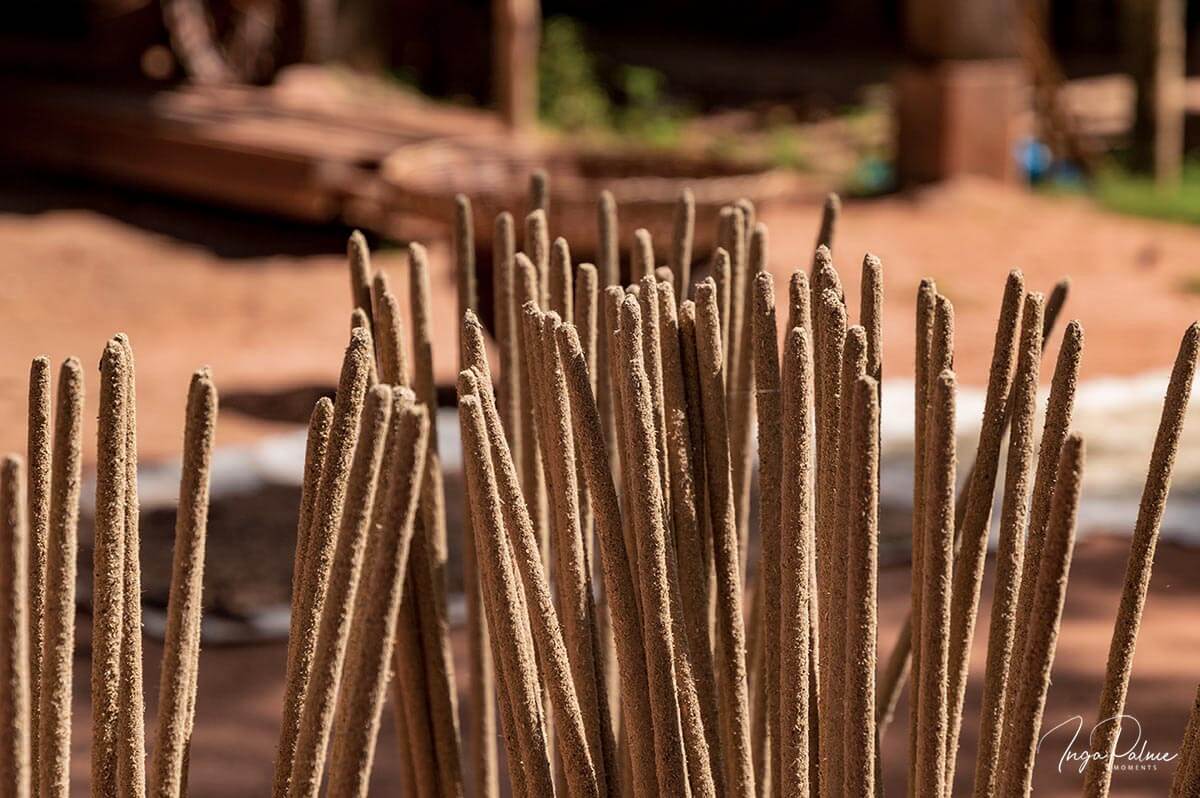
[511, 646]
[464, 254]
[37, 497]
[830, 212]
[871, 314]
[358, 256]
[730, 651]
[360, 321]
[1187, 773]
[1141, 560]
[537, 247]
[1010, 551]
[768, 399]
[722, 271]
[613, 296]
[1059, 409]
[795, 556]
[373, 626]
[316, 719]
[560, 281]
[587, 307]
[108, 594]
[1022, 728]
[681, 242]
[14, 652]
[320, 545]
[861, 590]
[976, 523]
[58, 645]
[646, 504]
[652, 356]
[799, 312]
[935, 615]
[131, 764]
[389, 334]
[177, 688]
[533, 483]
[609, 274]
[741, 386]
[641, 263]
[539, 191]
[503, 270]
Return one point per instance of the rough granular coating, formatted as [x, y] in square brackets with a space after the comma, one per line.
[533, 483]
[641, 258]
[741, 388]
[1022, 728]
[799, 312]
[358, 258]
[389, 344]
[652, 356]
[177, 686]
[539, 191]
[464, 255]
[972, 531]
[54, 733]
[871, 314]
[537, 247]
[560, 281]
[721, 270]
[730, 648]
[1011, 547]
[38, 498]
[683, 233]
[1141, 560]
[359, 320]
[14, 650]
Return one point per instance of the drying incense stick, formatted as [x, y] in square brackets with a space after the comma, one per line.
[861, 591]
[768, 399]
[358, 256]
[720, 270]
[795, 557]
[799, 313]
[748, 217]
[1187, 773]
[1010, 550]
[464, 254]
[1022, 728]
[320, 544]
[37, 497]
[177, 686]
[360, 321]
[551, 651]
[14, 653]
[560, 281]
[652, 356]
[735, 244]
[427, 559]
[316, 719]
[539, 191]
[532, 480]
[511, 646]
[683, 234]
[871, 314]
[389, 334]
[1059, 409]
[613, 297]
[373, 624]
[609, 274]
[537, 247]
[741, 388]
[1141, 560]
[586, 322]
[646, 505]
[58, 645]
[973, 531]
[108, 593]
[504, 321]
[830, 212]
[131, 765]
[931, 704]
[641, 262]
[730, 652]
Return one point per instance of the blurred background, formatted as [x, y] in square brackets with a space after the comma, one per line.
[188, 171]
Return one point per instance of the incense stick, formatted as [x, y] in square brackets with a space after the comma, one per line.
[1021, 730]
[532, 480]
[1010, 550]
[539, 191]
[683, 234]
[560, 281]
[389, 333]
[38, 505]
[358, 257]
[58, 646]
[177, 686]
[14, 652]
[1187, 773]
[464, 255]
[1141, 560]
[537, 247]
[360, 321]
[830, 211]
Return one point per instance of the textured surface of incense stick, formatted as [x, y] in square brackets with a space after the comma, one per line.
[543, 622]
[38, 506]
[177, 687]
[389, 334]
[646, 506]
[861, 590]
[722, 269]
[641, 257]
[935, 610]
[609, 274]
[768, 398]
[316, 720]
[54, 734]
[537, 247]
[427, 559]
[613, 296]
[108, 568]
[539, 191]
[683, 234]
[1059, 409]
[830, 212]
[796, 555]
[1010, 549]
[730, 642]
[131, 766]
[572, 569]
[1022, 728]
[482, 730]
[1187, 772]
[739, 379]
[504, 320]
[973, 531]
[533, 483]
[358, 256]
[464, 255]
[321, 541]
[360, 321]
[511, 646]
[587, 306]
[559, 281]
[871, 314]
[1141, 560]
[647, 300]
[619, 582]
[373, 626]
[14, 643]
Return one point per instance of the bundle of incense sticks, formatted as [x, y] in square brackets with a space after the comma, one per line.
[619, 638]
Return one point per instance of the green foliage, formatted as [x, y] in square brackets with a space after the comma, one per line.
[1125, 192]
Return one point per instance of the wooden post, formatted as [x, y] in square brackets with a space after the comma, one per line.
[516, 35]
[1170, 66]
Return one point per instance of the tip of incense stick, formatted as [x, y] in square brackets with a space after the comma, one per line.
[356, 246]
[822, 258]
[10, 467]
[833, 202]
[706, 289]
[41, 363]
[764, 293]
[606, 200]
[470, 320]
[1191, 338]
[462, 203]
[468, 383]
[113, 355]
[568, 341]
[536, 217]
[381, 283]
[686, 197]
[1073, 337]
